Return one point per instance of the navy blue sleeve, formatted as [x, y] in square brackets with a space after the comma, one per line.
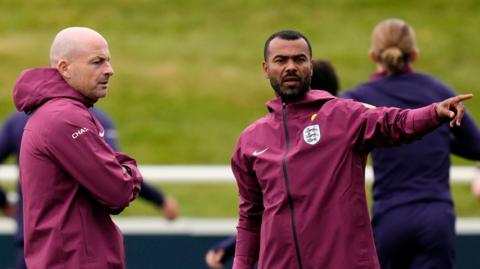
[465, 140]
[346, 95]
[3, 198]
[228, 246]
[110, 131]
[6, 140]
[150, 193]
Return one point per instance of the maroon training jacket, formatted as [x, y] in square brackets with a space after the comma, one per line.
[71, 179]
[300, 171]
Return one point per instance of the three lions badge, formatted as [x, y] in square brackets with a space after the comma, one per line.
[311, 134]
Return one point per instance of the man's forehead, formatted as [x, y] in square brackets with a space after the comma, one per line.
[96, 49]
[285, 47]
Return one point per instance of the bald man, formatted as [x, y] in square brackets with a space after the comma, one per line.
[71, 179]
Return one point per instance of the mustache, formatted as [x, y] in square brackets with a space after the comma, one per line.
[288, 77]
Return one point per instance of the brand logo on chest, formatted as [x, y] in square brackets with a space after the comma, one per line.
[311, 134]
[79, 132]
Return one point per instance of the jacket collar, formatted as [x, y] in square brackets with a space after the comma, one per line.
[311, 97]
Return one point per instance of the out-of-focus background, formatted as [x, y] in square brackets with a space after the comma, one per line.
[188, 73]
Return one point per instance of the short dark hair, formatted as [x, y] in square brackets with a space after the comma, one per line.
[286, 35]
[324, 77]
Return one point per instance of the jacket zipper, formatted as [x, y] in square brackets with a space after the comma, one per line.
[290, 200]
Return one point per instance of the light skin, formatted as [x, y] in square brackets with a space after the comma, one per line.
[288, 67]
[213, 259]
[82, 57]
[170, 208]
[475, 187]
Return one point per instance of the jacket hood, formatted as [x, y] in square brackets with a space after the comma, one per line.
[38, 85]
[312, 96]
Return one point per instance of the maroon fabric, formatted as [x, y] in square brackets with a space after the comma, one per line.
[326, 181]
[71, 179]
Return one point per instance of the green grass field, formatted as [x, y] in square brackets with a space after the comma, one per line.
[207, 200]
[188, 75]
[220, 200]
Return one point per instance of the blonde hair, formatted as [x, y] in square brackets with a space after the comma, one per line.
[393, 42]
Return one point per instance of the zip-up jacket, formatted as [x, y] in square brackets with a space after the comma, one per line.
[300, 172]
[71, 179]
[11, 138]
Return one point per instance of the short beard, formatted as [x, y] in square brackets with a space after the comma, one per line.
[291, 94]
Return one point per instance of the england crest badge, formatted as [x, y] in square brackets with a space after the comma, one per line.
[311, 134]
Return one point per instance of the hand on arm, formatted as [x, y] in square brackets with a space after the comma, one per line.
[452, 108]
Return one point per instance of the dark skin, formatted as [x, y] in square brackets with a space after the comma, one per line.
[288, 67]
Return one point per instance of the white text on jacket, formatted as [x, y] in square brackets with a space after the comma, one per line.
[79, 132]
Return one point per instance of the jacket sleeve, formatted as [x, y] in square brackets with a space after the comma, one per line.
[152, 194]
[250, 212]
[148, 192]
[6, 140]
[465, 139]
[228, 246]
[3, 198]
[75, 143]
[390, 126]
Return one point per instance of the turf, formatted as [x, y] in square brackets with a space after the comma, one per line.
[188, 77]
[220, 200]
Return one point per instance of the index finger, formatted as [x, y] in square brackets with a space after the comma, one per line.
[462, 97]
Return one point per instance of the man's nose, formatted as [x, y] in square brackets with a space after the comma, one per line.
[109, 69]
[291, 66]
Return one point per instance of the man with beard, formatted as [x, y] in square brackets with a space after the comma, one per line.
[324, 77]
[300, 169]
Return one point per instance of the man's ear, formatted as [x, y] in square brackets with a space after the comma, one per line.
[63, 68]
[265, 70]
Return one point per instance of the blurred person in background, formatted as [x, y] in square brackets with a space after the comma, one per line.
[71, 179]
[476, 181]
[413, 212]
[300, 170]
[324, 77]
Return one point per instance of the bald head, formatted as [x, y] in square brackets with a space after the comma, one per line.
[82, 58]
[70, 41]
